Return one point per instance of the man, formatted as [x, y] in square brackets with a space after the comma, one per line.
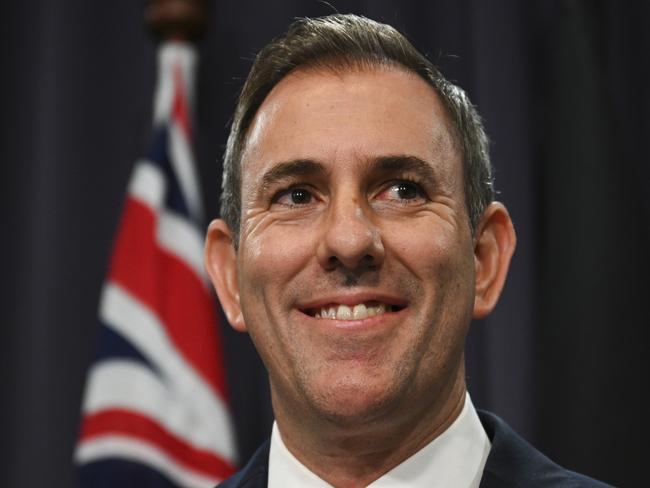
[359, 238]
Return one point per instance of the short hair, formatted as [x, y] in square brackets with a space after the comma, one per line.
[346, 42]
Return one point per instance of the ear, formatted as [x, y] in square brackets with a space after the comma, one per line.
[494, 245]
[221, 264]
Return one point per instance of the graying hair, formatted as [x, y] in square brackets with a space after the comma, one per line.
[346, 42]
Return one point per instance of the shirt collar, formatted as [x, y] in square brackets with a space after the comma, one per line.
[454, 458]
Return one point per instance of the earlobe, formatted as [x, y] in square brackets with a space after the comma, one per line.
[221, 265]
[494, 246]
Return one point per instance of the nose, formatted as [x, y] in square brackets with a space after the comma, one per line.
[350, 238]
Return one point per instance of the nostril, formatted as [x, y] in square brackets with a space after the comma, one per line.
[336, 251]
[333, 262]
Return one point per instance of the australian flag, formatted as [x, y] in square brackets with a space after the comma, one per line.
[155, 411]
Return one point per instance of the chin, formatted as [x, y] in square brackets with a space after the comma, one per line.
[354, 403]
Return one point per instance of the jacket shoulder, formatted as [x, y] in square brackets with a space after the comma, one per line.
[256, 472]
[513, 462]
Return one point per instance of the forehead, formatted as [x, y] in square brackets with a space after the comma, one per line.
[342, 117]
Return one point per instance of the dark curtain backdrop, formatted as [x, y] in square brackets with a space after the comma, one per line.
[563, 87]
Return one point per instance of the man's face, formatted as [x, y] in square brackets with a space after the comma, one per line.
[356, 266]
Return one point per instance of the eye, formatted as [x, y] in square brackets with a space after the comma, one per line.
[294, 197]
[402, 190]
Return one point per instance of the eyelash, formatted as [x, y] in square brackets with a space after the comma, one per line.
[287, 191]
[403, 180]
[417, 186]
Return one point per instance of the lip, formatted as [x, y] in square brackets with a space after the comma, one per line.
[351, 299]
[374, 323]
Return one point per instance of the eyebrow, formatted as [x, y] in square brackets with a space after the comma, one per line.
[381, 164]
[402, 164]
[290, 169]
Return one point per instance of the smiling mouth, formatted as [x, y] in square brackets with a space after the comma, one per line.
[356, 312]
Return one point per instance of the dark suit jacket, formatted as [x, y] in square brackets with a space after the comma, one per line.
[512, 462]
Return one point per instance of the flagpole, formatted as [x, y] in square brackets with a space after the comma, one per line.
[177, 25]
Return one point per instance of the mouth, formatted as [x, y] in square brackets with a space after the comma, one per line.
[359, 311]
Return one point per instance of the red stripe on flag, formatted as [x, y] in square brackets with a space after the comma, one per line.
[180, 109]
[124, 422]
[168, 286]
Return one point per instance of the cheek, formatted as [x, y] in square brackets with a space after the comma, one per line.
[272, 255]
[443, 261]
[428, 250]
[271, 262]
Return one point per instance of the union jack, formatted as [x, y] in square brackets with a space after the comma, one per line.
[155, 411]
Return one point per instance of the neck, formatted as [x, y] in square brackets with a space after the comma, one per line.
[354, 454]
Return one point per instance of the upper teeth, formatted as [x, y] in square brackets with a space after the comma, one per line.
[358, 312]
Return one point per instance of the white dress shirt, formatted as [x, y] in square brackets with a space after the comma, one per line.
[455, 458]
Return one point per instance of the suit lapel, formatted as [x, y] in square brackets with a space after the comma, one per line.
[255, 474]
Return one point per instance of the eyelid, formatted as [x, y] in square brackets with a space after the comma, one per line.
[416, 182]
[286, 190]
